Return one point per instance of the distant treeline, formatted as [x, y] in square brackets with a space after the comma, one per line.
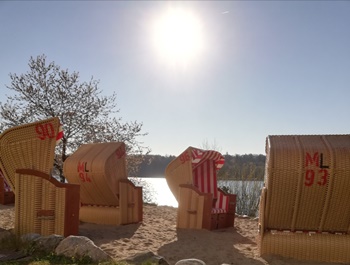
[154, 166]
[243, 167]
[236, 167]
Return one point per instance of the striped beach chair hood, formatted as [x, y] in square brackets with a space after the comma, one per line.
[199, 156]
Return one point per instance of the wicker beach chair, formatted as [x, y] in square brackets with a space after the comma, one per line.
[304, 205]
[192, 179]
[26, 161]
[106, 195]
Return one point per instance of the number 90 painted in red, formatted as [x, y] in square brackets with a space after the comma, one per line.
[45, 131]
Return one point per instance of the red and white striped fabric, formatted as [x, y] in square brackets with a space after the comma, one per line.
[59, 135]
[221, 204]
[217, 210]
[204, 165]
[199, 156]
[204, 177]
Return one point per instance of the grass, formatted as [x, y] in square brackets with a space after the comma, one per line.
[35, 256]
[51, 258]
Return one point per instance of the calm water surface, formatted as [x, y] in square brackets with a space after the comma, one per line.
[163, 196]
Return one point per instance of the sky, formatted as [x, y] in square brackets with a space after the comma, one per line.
[221, 74]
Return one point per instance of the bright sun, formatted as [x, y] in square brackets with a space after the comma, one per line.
[177, 37]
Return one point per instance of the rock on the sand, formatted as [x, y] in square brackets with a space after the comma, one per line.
[48, 243]
[80, 246]
[190, 262]
[4, 234]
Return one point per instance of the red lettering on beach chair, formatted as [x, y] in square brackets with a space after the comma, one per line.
[322, 177]
[45, 131]
[83, 172]
[310, 160]
[310, 174]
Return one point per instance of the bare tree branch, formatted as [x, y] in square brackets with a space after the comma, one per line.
[87, 116]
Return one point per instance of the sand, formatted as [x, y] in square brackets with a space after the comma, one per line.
[158, 233]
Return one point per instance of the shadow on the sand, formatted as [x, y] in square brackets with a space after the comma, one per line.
[222, 246]
[101, 234]
[7, 206]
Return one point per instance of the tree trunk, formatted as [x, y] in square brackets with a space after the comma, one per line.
[64, 157]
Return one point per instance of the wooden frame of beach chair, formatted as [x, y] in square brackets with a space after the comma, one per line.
[45, 205]
[106, 195]
[304, 206]
[31, 147]
[192, 179]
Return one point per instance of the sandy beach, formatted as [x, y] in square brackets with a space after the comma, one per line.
[158, 233]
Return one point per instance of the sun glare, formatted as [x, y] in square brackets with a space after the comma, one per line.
[178, 37]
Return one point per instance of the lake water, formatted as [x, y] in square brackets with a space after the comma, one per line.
[159, 188]
[161, 194]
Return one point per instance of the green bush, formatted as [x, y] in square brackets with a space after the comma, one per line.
[248, 191]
